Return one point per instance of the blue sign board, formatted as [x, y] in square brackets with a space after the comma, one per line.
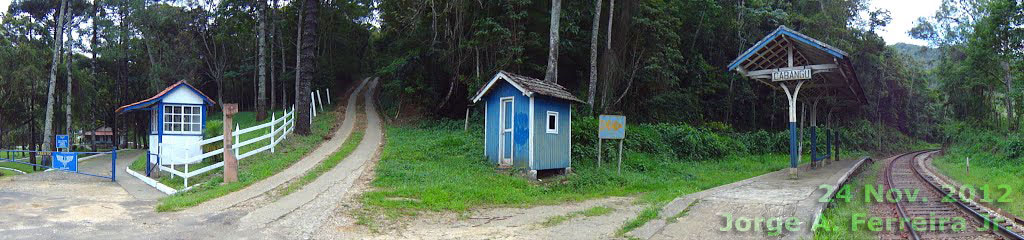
[63, 141]
[612, 127]
[65, 160]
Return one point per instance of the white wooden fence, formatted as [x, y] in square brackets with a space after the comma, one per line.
[279, 128]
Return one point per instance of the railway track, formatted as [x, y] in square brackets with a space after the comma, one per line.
[905, 175]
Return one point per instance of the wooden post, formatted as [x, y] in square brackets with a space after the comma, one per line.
[620, 156]
[230, 160]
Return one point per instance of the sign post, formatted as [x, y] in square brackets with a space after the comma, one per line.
[230, 160]
[67, 161]
[611, 127]
[63, 141]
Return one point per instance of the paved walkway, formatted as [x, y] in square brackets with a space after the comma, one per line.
[296, 170]
[702, 215]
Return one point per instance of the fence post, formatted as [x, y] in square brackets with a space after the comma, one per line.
[273, 121]
[328, 95]
[319, 100]
[113, 166]
[312, 105]
[237, 139]
[230, 160]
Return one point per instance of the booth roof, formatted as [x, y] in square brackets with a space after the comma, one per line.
[160, 95]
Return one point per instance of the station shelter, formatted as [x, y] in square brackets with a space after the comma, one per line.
[808, 71]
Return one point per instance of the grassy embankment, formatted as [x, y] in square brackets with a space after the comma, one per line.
[997, 160]
[250, 170]
[436, 166]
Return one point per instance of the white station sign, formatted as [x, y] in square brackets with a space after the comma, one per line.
[787, 75]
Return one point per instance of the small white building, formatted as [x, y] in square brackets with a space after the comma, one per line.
[177, 122]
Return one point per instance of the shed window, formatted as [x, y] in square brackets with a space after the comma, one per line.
[552, 126]
[182, 119]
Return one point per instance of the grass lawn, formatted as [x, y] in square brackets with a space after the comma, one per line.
[250, 170]
[836, 221]
[443, 169]
[988, 173]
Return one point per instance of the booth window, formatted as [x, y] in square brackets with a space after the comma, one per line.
[183, 119]
[552, 122]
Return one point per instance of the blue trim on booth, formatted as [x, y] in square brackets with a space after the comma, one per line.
[182, 134]
[160, 116]
[776, 33]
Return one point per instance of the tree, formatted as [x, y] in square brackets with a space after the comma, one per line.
[594, 33]
[261, 105]
[556, 15]
[48, 122]
[302, 87]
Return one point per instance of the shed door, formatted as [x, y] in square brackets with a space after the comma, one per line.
[505, 131]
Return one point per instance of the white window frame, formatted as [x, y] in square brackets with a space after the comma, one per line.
[195, 118]
[547, 126]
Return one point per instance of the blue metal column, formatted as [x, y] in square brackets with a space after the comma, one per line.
[814, 145]
[794, 155]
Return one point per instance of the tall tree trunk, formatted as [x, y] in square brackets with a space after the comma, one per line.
[261, 103]
[298, 53]
[273, 72]
[57, 42]
[1011, 122]
[284, 67]
[594, 33]
[95, 36]
[311, 9]
[611, 20]
[556, 13]
[67, 102]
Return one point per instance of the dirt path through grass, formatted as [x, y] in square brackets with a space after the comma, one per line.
[296, 170]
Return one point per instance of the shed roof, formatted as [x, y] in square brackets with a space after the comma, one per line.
[528, 86]
[772, 53]
[159, 96]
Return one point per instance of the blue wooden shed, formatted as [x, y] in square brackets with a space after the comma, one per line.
[527, 123]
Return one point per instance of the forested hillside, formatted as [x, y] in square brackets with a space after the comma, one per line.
[658, 61]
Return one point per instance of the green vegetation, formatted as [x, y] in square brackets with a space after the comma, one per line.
[590, 212]
[436, 166]
[836, 220]
[252, 169]
[996, 160]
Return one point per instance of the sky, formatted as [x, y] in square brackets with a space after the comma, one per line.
[903, 12]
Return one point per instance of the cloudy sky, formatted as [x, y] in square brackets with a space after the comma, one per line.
[903, 12]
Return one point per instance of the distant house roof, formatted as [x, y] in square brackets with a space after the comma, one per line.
[159, 96]
[528, 86]
[103, 131]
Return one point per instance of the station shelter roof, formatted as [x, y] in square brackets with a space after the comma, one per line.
[833, 74]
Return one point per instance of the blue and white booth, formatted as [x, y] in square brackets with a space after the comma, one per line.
[178, 117]
[527, 123]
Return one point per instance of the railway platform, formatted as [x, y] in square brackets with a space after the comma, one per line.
[747, 209]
